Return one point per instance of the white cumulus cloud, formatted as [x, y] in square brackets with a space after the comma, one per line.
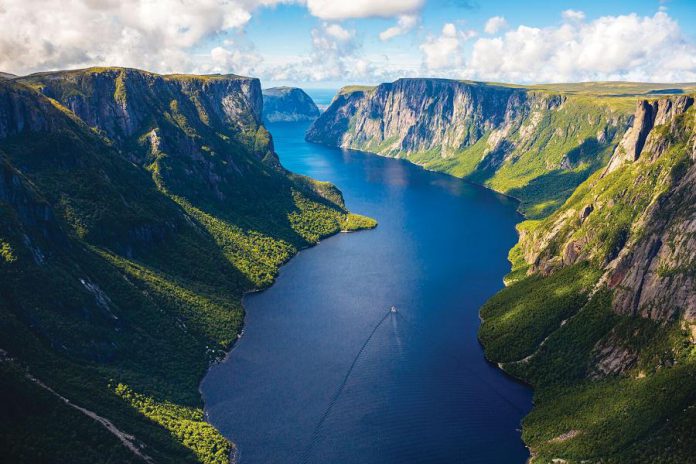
[495, 24]
[444, 52]
[626, 47]
[333, 56]
[344, 9]
[232, 59]
[405, 24]
[157, 35]
[573, 15]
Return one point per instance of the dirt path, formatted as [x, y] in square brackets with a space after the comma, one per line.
[128, 441]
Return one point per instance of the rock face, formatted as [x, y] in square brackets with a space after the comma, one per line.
[535, 145]
[647, 116]
[287, 104]
[205, 126]
[637, 220]
[610, 277]
[414, 115]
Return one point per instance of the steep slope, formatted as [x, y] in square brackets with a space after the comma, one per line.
[600, 314]
[288, 104]
[535, 143]
[135, 210]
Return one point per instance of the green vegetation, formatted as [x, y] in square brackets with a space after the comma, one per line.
[355, 88]
[609, 387]
[185, 423]
[521, 316]
[357, 222]
[125, 250]
[545, 157]
[618, 89]
[612, 418]
[6, 252]
[537, 143]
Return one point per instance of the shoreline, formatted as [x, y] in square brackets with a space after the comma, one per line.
[235, 454]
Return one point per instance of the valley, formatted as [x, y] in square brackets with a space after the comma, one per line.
[598, 310]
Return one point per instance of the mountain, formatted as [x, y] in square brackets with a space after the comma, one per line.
[288, 104]
[535, 143]
[135, 211]
[599, 312]
[4, 75]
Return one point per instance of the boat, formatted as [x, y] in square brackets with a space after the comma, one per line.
[393, 309]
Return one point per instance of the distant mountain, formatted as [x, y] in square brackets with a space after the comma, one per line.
[288, 104]
[4, 75]
[135, 211]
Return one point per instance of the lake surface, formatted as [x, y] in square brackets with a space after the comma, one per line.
[325, 373]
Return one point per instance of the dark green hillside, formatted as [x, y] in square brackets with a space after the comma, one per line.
[135, 210]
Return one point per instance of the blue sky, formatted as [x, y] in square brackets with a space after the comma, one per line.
[328, 43]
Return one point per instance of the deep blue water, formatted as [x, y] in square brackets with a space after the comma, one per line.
[322, 97]
[420, 390]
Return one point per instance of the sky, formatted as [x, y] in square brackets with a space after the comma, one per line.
[330, 43]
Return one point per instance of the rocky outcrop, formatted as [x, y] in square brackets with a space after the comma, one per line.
[609, 357]
[20, 113]
[647, 116]
[205, 126]
[126, 103]
[415, 115]
[637, 220]
[655, 277]
[287, 104]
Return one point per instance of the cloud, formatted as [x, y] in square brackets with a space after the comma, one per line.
[627, 47]
[495, 24]
[232, 59]
[157, 35]
[339, 33]
[405, 24]
[336, 10]
[573, 15]
[444, 52]
[333, 56]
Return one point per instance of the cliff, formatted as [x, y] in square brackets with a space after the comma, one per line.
[634, 218]
[135, 211]
[535, 144]
[286, 104]
[600, 311]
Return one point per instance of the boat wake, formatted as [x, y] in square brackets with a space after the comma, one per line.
[317, 429]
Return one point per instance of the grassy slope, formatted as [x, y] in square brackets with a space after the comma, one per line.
[645, 414]
[534, 172]
[121, 282]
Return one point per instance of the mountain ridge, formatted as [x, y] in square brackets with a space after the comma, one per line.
[135, 211]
